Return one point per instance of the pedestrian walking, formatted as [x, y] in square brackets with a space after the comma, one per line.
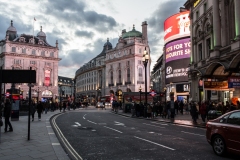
[33, 109]
[60, 106]
[64, 106]
[1, 110]
[7, 114]
[39, 110]
[149, 111]
[203, 110]
[193, 111]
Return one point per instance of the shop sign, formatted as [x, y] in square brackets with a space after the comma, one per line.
[177, 26]
[216, 84]
[234, 82]
[196, 3]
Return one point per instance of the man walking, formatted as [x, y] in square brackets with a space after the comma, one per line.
[7, 114]
[39, 110]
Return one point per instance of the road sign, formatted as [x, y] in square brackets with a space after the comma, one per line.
[153, 93]
[18, 76]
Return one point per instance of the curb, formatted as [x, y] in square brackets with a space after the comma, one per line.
[198, 126]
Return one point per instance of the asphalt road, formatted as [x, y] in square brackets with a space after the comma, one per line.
[99, 134]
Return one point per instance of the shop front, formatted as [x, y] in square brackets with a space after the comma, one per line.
[47, 96]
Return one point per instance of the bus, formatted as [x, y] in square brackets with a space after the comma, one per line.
[107, 99]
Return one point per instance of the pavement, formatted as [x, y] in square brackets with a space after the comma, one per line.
[43, 144]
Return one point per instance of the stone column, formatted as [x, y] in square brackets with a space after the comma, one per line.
[223, 24]
[216, 25]
[237, 18]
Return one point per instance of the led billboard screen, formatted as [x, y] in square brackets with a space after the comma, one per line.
[178, 49]
[177, 26]
[176, 71]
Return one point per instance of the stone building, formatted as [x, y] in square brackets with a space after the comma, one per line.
[215, 56]
[20, 52]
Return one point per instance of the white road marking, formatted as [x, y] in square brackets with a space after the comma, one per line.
[93, 130]
[84, 116]
[155, 143]
[164, 124]
[91, 122]
[55, 144]
[153, 125]
[75, 125]
[78, 123]
[193, 133]
[113, 129]
[119, 123]
[150, 132]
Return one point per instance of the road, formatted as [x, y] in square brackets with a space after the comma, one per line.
[100, 134]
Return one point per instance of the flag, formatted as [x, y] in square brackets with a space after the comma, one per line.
[34, 19]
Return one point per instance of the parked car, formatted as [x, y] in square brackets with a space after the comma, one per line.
[99, 105]
[223, 133]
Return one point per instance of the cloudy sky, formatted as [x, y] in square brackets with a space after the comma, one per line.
[83, 26]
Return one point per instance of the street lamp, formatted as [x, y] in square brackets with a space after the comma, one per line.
[140, 91]
[145, 59]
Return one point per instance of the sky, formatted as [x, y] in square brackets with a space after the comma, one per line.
[83, 26]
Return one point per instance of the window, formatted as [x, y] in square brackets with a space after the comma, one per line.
[128, 63]
[119, 65]
[17, 61]
[139, 62]
[140, 75]
[140, 50]
[224, 119]
[208, 44]
[34, 52]
[111, 78]
[130, 51]
[200, 51]
[205, 7]
[234, 118]
[43, 53]
[33, 62]
[13, 49]
[119, 76]
[24, 50]
[197, 15]
[128, 75]
[51, 54]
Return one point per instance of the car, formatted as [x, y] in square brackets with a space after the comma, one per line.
[108, 104]
[223, 133]
[99, 105]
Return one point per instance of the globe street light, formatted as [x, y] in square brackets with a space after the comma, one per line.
[140, 91]
[145, 59]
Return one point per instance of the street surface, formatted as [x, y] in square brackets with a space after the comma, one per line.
[100, 134]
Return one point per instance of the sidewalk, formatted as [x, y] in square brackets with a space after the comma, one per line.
[43, 143]
[181, 119]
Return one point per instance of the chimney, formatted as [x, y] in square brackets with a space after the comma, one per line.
[144, 31]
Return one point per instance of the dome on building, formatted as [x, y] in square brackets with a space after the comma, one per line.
[132, 33]
[41, 33]
[11, 28]
[108, 45]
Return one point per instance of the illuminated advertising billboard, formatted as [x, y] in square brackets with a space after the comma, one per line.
[177, 71]
[179, 49]
[177, 26]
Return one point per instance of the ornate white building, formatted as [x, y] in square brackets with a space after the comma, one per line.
[125, 71]
[20, 52]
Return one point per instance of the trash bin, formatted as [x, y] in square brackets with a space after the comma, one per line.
[213, 114]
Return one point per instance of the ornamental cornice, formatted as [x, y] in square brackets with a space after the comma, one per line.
[18, 44]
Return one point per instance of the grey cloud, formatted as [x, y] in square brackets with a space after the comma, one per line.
[84, 34]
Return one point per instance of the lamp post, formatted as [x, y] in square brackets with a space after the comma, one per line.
[145, 59]
[140, 91]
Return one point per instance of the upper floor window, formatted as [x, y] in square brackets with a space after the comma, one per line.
[139, 62]
[130, 51]
[128, 63]
[33, 51]
[33, 62]
[13, 49]
[205, 7]
[119, 76]
[24, 50]
[128, 75]
[197, 15]
[200, 51]
[111, 78]
[140, 50]
[17, 61]
[208, 44]
[51, 54]
[43, 53]
[140, 75]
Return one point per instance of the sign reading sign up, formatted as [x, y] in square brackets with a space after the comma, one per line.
[216, 84]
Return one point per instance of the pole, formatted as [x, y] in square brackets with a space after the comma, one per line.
[140, 96]
[29, 105]
[0, 100]
[145, 64]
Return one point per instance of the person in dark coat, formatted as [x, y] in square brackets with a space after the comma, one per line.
[33, 109]
[7, 114]
[194, 112]
[39, 110]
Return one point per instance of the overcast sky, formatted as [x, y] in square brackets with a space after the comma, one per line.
[83, 26]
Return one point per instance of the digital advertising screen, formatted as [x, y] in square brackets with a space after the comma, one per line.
[177, 26]
[178, 49]
[177, 71]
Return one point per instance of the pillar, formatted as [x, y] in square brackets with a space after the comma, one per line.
[216, 25]
[237, 18]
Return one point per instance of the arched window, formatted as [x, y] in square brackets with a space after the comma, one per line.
[119, 76]
[128, 75]
[111, 74]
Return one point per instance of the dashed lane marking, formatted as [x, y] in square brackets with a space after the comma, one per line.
[113, 129]
[91, 122]
[192, 133]
[153, 125]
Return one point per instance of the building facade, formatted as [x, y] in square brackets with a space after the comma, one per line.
[215, 56]
[66, 89]
[125, 70]
[20, 52]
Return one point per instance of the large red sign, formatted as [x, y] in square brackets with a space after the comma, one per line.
[177, 26]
